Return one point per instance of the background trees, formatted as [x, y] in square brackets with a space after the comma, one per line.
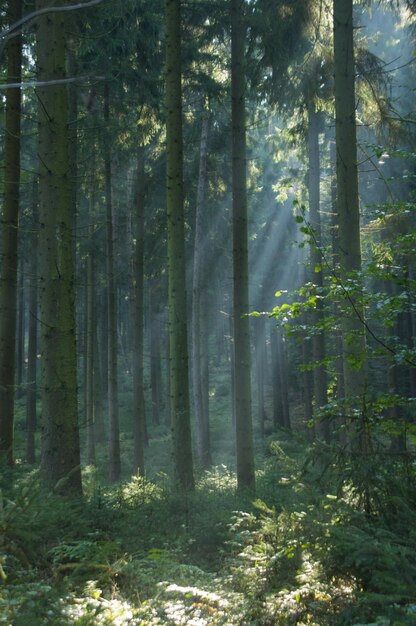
[187, 180]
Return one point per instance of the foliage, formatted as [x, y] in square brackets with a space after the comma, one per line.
[308, 550]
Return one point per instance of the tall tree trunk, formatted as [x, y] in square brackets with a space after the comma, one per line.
[89, 356]
[138, 321]
[113, 421]
[9, 247]
[60, 431]
[155, 367]
[99, 425]
[199, 357]
[21, 329]
[261, 369]
[320, 380]
[242, 382]
[179, 383]
[33, 337]
[353, 331]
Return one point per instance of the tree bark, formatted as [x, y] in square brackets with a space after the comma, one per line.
[21, 329]
[138, 321]
[113, 419]
[242, 382]
[155, 367]
[89, 357]
[320, 379]
[179, 383]
[199, 356]
[33, 338]
[261, 369]
[9, 248]
[60, 458]
[353, 331]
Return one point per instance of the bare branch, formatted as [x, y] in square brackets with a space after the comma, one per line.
[46, 83]
[17, 26]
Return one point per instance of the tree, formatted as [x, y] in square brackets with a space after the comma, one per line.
[9, 247]
[179, 384]
[242, 383]
[138, 319]
[318, 340]
[113, 419]
[60, 458]
[199, 286]
[348, 211]
[33, 335]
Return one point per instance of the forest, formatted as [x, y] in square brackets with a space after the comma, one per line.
[207, 312]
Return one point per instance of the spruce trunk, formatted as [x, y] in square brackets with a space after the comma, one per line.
[113, 422]
[320, 379]
[9, 248]
[242, 382]
[179, 383]
[138, 321]
[353, 330]
[199, 357]
[60, 458]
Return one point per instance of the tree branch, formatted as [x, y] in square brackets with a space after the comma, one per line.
[17, 26]
[46, 83]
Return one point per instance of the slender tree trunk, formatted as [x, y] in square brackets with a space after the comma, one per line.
[21, 329]
[261, 369]
[60, 431]
[277, 397]
[99, 426]
[284, 384]
[138, 321]
[242, 382]
[9, 247]
[353, 331]
[113, 421]
[199, 358]
[33, 338]
[89, 357]
[320, 380]
[179, 383]
[339, 371]
[307, 389]
[155, 368]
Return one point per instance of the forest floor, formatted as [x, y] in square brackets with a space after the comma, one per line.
[325, 541]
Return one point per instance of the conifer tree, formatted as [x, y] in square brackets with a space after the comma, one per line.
[348, 211]
[9, 244]
[179, 384]
[242, 383]
[60, 457]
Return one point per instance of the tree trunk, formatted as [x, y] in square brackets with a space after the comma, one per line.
[353, 331]
[179, 383]
[60, 432]
[9, 247]
[89, 357]
[21, 329]
[199, 356]
[242, 382]
[320, 381]
[155, 368]
[33, 338]
[99, 425]
[138, 322]
[261, 369]
[113, 422]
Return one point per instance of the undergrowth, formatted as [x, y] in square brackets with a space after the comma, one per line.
[308, 550]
